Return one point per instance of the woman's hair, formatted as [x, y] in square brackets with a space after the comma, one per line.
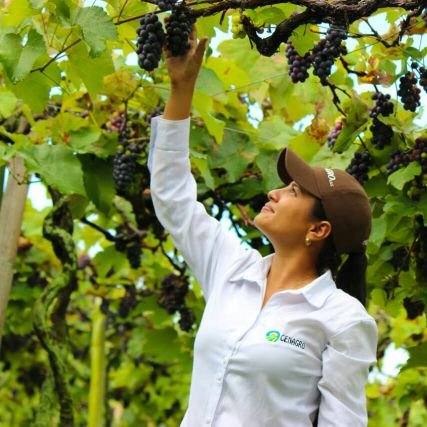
[351, 276]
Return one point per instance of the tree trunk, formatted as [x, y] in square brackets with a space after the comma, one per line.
[11, 214]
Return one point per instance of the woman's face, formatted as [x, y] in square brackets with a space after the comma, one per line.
[286, 218]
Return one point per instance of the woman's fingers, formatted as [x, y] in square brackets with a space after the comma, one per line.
[200, 50]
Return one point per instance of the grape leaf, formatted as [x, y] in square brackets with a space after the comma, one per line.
[90, 70]
[97, 27]
[98, 181]
[399, 178]
[58, 167]
[8, 102]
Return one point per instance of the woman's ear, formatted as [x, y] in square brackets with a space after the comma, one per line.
[319, 230]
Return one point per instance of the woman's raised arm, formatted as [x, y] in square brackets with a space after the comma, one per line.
[208, 248]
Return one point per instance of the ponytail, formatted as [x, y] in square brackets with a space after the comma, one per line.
[351, 277]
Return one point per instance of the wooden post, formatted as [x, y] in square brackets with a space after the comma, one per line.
[11, 215]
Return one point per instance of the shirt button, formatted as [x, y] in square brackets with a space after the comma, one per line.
[219, 379]
[208, 421]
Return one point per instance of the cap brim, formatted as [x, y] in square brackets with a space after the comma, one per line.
[291, 167]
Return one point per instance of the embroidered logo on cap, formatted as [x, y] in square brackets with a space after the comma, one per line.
[331, 176]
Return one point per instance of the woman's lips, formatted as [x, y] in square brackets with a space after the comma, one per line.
[267, 208]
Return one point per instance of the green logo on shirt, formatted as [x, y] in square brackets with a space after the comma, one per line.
[272, 336]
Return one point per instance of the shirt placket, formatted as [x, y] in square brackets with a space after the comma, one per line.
[220, 374]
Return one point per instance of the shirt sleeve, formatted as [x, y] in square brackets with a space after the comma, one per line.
[345, 368]
[207, 246]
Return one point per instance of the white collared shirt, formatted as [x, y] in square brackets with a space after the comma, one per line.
[306, 351]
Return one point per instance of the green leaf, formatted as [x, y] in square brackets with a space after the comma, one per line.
[58, 167]
[17, 60]
[90, 70]
[7, 102]
[10, 51]
[97, 27]
[203, 103]
[304, 39]
[399, 178]
[109, 260]
[234, 154]
[202, 166]
[98, 181]
[378, 234]
[18, 12]
[267, 161]
[34, 91]
[32, 50]
[355, 122]
[417, 357]
[82, 140]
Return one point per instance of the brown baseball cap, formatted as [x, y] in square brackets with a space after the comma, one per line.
[344, 200]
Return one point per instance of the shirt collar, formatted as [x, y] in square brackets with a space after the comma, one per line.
[315, 292]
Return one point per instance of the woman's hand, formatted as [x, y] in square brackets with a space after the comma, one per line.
[183, 71]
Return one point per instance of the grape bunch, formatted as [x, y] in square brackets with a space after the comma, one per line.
[128, 302]
[420, 248]
[124, 163]
[414, 308]
[419, 154]
[129, 243]
[398, 159]
[327, 50]
[400, 258]
[116, 122]
[178, 30]
[186, 319]
[165, 4]
[334, 133]
[149, 42]
[359, 166]
[298, 65]
[382, 106]
[422, 74]
[409, 92]
[237, 28]
[423, 78]
[172, 294]
[382, 134]
[172, 298]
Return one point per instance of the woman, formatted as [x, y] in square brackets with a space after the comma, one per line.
[279, 344]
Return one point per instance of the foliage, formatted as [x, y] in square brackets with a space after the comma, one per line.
[70, 70]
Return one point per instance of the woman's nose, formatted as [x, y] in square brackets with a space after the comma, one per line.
[272, 195]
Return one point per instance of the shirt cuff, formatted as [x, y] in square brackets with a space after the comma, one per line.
[168, 135]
